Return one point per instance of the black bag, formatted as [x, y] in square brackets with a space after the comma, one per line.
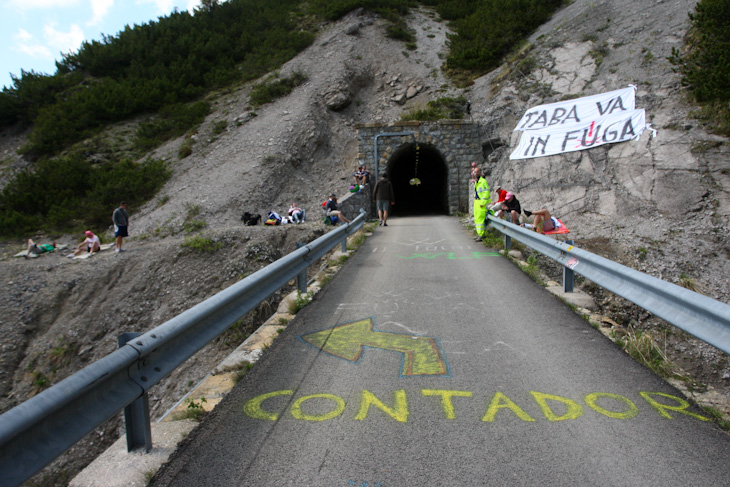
[250, 219]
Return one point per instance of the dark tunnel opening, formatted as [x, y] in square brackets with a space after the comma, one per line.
[431, 196]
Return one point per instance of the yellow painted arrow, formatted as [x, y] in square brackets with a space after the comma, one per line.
[421, 355]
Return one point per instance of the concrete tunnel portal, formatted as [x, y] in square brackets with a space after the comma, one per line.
[424, 162]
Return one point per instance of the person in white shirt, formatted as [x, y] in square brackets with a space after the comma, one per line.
[90, 244]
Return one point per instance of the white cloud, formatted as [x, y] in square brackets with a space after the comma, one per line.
[192, 4]
[63, 41]
[45, 4]
[26, 44]
[100, 8]
[164, 7]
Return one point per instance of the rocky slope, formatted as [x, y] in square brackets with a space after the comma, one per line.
[660, 205]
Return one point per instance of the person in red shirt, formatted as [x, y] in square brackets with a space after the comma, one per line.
[497, 207]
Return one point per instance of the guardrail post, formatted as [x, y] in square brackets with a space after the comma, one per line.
[302, 277]
[507, 243]
[568, 275]
[343, 245]
[137, 414]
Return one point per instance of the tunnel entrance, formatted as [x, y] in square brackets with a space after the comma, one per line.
[425, 163]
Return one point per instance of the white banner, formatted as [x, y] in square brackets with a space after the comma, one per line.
[577, 111]
[617, 127]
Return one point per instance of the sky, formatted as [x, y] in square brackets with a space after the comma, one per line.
[34, 33]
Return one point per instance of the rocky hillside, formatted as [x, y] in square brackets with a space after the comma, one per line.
[660, 205]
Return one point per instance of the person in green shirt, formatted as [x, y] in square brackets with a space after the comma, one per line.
[34, 249]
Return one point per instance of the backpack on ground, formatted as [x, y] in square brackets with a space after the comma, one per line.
[250, 219]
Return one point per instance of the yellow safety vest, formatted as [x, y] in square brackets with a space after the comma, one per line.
[482, 190]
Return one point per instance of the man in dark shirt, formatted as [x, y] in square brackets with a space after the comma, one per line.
[121, 221]
[384, 197]
[332, 209]
[512, 207]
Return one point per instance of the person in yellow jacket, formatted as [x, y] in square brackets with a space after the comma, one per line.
[481, 204]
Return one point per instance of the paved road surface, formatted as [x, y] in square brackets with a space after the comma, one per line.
[470, 374]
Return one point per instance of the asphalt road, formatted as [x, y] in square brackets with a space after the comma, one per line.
[470, 374]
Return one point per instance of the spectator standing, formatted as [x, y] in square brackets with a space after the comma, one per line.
[481, 202]
[473, 172]
[384, 196]
[120, 218]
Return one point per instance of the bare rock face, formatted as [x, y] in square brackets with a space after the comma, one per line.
[667, 195]
[339, 99]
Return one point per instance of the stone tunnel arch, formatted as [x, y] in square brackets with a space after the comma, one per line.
[445, 150]
[422, 161]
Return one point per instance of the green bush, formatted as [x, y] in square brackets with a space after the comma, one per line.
[143, 69]
[201, 243]
[173, 121]
[705, 66]
[493, 29]
[267, 92]
[486, 30]
[335, 9]
[442, 108]
[66, 193]
[179, 58]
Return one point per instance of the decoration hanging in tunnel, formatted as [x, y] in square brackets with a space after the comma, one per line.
[415, 181]
[579, 124]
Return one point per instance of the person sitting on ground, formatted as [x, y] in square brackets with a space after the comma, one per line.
[332, 210]
[34, 249]
[297, 214]
[362, 176]
[272, 216]
[90, 244]
[512, 207]
[497, 207]
[543, 222]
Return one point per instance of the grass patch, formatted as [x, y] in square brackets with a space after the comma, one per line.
[241, 372]
[688, 283]
[493, 238]
[186, 148]
[718, 416]
[40, 381]
[300, 302]
[533, 270]
[194, 410]
[201, 243]
[356, 241]
[642, 348]
[324, 279]
[273, 88]
[192, 224]
[440, 109]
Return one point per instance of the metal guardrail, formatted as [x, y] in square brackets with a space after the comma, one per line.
[37, 431]
[698, 315]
